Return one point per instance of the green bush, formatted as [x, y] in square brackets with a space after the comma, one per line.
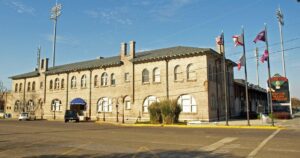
[166, 111]
[155, 113]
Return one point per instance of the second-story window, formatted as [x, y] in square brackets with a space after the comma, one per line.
[73, 82]
[112, 79]
[156, 75]
[104, 79]
[145, 76]
[56, 84]
[62, 84]
[127, 77]
[190, 72]
[20, 87]
[33, 86]
[177, 73]
[51, 85]
[96, 81]
[41, 85]
[16, 87]
[28, 86]
[83, 81]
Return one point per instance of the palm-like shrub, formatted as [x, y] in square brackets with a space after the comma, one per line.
[155, 113]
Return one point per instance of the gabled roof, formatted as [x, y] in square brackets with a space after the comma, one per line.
[158, 54]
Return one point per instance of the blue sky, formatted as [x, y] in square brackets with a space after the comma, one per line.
[88, 29]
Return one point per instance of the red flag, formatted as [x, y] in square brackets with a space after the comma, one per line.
[238, 40]
[260, 37]
[241, 62]
[265, 56]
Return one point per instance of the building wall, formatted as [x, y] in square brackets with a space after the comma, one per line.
[200, 88]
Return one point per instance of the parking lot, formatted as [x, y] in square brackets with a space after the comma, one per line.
[88, 139]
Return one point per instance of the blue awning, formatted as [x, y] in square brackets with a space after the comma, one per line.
[78, 101]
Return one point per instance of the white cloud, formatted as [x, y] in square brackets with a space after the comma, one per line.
[20, 8]
[109, 16]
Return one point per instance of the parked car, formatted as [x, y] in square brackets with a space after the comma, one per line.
[26, 116]
[71, 115]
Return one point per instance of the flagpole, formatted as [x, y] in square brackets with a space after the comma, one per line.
[246, 80]
[269, 74]
[225, 80]
[257, 74]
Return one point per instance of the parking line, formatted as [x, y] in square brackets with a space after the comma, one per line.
[218, 144]
[262, 144]
[143, 148]
[73, 149]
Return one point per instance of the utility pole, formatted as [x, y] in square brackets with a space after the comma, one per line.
[281, 23]
[56, 12]
[257, 64]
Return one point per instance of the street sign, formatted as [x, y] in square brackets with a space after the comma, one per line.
[280, 89]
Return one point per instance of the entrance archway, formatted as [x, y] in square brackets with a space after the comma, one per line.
[78, 104]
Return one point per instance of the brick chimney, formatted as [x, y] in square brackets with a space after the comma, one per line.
[132, 49]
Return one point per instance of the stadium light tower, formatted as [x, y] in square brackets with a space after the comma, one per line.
[55, 13]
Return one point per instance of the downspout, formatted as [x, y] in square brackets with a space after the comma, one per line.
[133, 81]
[24, 99]
[167, 78]
[90, 96]
[67, 91]
[45, 87]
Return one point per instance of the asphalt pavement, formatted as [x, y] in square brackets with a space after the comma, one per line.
[45, 139]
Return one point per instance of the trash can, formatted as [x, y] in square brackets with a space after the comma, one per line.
[264, 118]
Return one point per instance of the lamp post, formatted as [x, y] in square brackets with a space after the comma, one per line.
[281, 23]
[56, 12]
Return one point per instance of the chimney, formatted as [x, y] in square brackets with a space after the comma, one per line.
[132, 49]
[220, 48]
[123, 49]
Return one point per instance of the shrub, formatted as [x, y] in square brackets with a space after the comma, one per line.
[166, 111]
[155, 113]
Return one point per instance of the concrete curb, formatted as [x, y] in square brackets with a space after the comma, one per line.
[196, 126]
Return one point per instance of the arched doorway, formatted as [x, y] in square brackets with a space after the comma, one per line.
[78, 104]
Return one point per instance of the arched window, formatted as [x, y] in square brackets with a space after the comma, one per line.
[190, 72]
[96, 81]
[16, 87]
[112, 79]
[33, 86]
[73, 82]
[145, 76]
[104, 105]
[56, 105]
[30, 106]
[104, 78]
[177, 73]
[28, 86]
[188, 103]
[156, 75]
[20, 87]
[56, 83]
[148, 101]
[62, 84]
[83, 81]
[127, 102]
[51, 85]
[17, 106]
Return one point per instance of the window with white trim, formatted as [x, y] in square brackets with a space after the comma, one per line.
[73, 82]
[145, 76]
[104, 105]
[177, 73]
[188, 103]
[127, 103]
[156, 75]
[148, 101]
[191, 73]
[83, 81]
[62, 85]
[28, 86]
[56, 83]
[112, 79]
[104, 78]
[96, 81]
[56, 105]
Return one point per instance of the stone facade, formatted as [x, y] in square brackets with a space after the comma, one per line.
[121, 87]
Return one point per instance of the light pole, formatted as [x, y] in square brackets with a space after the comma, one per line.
[281, 23]
[56, 12]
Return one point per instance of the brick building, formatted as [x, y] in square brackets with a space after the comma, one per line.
[123, 86]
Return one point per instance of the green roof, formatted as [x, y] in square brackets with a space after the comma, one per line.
[158, 54]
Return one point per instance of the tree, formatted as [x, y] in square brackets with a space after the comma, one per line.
[295, 102]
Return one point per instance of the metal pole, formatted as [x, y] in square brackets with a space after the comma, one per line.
[257, 74]
[246, 80]
[269, 75]
[280, 23]
[225, 78]
[54, 42]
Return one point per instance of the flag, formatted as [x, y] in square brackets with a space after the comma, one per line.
[238, 40]
[241, 62]
[219, 40]
[265, 56]
[260, 37]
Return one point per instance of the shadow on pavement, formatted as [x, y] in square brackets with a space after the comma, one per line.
[148, 154]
